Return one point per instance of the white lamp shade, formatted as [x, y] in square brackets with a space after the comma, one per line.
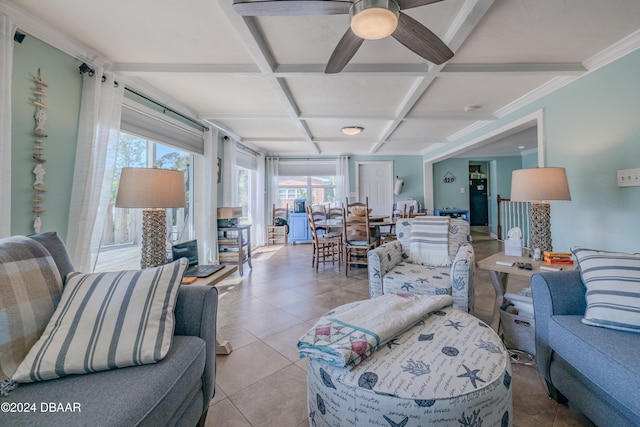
[539, 185]
[151, 188]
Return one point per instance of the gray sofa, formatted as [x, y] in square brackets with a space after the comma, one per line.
[596, 369]
[176, 391]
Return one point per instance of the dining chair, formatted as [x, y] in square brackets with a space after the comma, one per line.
[327, 247]
[278, 231]
[357, 236]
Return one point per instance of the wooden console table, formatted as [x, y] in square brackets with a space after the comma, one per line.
[222, 346]
[499, 275]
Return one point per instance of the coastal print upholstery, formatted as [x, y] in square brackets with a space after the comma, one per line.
[105, 321]
[350, 333]
[391, 268]
[612, 280]
[449, 370]
[30, 288]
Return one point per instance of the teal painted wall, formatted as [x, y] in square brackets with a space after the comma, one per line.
[591, 129]
[449, 194]
[530, 161]
[408, 168]
[60, 72]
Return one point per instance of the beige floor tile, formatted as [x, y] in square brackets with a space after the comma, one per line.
[224, 414]
[277, 400]
[270, 323]
[286, 342]
[247, 365]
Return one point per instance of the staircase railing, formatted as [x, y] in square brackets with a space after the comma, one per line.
[514, 214]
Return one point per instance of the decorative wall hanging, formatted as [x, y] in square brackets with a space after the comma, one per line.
[449, 178]
[40, 117]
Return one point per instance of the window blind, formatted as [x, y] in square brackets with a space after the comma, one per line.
[307, 168]
[147, 123]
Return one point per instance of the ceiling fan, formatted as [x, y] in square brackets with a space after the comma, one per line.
[370, 20]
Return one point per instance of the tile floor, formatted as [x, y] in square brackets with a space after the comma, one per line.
[263, 382]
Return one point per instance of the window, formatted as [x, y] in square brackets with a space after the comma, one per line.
[123, 227]
[322, 190]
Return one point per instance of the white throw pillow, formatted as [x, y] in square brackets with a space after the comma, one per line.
[613, 288]
[105, 321]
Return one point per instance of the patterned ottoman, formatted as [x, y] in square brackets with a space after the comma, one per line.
[449, 370]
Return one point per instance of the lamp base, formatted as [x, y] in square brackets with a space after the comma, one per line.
[154, 248]
[541, 226]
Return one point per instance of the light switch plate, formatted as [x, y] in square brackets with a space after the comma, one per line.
[629, 178]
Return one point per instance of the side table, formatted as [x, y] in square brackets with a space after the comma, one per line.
[222, 346]
[499, 275]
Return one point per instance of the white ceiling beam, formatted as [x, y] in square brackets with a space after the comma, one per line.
[465, 21]
[355, 70]
[252, 36]
[514, 69]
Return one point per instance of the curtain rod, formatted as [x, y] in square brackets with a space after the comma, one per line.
[309, 158]
[135, 92]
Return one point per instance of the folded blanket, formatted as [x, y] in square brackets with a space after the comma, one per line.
[430, 241]
[350, 333]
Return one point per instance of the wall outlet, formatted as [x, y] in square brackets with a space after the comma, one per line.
[462, 190]
[629, 178]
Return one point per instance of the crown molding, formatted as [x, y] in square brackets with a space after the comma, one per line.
[46, 33]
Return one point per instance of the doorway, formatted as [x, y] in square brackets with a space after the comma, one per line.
[479, 193]
[375, 181]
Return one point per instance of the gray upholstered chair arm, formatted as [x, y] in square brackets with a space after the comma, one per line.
[555, 293]
[196, 311]
[462, 278]
[380, 261]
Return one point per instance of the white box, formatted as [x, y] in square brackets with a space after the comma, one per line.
[513, 247]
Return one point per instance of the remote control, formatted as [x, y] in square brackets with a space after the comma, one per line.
[528, 266]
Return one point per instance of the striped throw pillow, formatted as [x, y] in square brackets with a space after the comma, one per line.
[105, 321]
[613, 288]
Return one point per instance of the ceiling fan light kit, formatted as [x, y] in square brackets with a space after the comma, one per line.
[374, 19]
[370, 20]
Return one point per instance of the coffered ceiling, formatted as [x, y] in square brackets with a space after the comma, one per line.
[261, 80]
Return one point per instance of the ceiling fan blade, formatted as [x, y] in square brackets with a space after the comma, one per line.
[291, 7]
[344, 51]
[421, 40]
[408, 4]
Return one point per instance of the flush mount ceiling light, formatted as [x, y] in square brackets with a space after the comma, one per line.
[352, 130]
[374, 19]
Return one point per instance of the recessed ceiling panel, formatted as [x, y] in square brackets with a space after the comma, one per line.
[548, 30]
[429, 130]
[223, 95]
[405, 148]
[256, 129]
[287, 148]
[343, 148]
[165, 32]
[488, 92]
[348, 95]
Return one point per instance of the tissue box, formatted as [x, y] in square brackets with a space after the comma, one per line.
[513, 247]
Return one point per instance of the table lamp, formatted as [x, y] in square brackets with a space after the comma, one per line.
[154, 190]
[540, 186]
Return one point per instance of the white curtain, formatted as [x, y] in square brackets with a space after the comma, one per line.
[261, 212]
[230, 176]
[273, 195]
[98, 129]
[206, 198]
[7, 30]
[342, 174]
